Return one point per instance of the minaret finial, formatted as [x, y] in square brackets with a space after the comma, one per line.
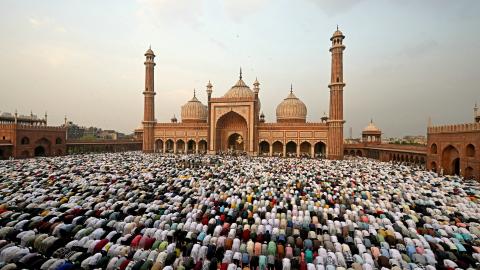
[371, 120]
[337, 27]
[194, 92]
[240, 73]
[291, 88]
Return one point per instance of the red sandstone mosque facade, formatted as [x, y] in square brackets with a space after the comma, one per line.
[234, 121]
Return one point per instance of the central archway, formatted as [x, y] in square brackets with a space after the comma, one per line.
[231, 133]
[451, 160]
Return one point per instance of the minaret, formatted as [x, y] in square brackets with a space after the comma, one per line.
[476, 115]
[335, 122]
[149, 103]
[256, 118]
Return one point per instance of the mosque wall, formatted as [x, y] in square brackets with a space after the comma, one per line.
[454, 149]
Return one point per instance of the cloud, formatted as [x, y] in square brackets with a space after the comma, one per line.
[239, 10]
[335, 7]
[176, 11]
[418, 49]
[46, 23]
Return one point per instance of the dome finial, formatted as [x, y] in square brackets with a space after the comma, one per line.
[240, 73]
[194, 92]
[371, 120]
[291, 88]
[337, 27]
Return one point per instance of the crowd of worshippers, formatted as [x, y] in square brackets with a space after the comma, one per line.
[152, 211]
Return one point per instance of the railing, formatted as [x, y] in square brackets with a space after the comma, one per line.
[276, 124]
[27, 126]
[106, 142]
[389, 147]
[454, 128]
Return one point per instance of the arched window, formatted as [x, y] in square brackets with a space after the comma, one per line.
[470, 150]
[58, 141]
[25, 140]
[433, 149]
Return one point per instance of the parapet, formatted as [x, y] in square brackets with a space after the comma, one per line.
[470, 127]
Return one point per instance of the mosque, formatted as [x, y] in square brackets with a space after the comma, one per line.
[234, 121]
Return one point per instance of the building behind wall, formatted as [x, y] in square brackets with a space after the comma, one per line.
[29, 136]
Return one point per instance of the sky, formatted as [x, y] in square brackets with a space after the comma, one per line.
[405, 61]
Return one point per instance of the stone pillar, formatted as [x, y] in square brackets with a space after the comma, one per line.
[312, 151]
[335, 122]
[186, 147]
[164, 146]
[196, 147]
[284, 150]
[298, 150]
[270, 149]
[174, 147]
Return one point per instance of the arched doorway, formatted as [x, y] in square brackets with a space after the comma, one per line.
[236, 142]
[359, 153]
[320, 148]
[469, 173]
[451, 160]
[180, 147]
[305, 149]
[40, 151]
[264, 148]
[231, 133]
[202, 147]
[352, 153]
[191, 145]
[42, 148]
[159, 146]
[169, 146]
[277, 149]
[1, 154]
[291, 148]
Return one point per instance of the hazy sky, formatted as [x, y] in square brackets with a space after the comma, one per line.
[404, 61]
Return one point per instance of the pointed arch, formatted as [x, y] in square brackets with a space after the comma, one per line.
[264, 148]
[305, 149]
[277, 148]
[291, 149]
[320, 148]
